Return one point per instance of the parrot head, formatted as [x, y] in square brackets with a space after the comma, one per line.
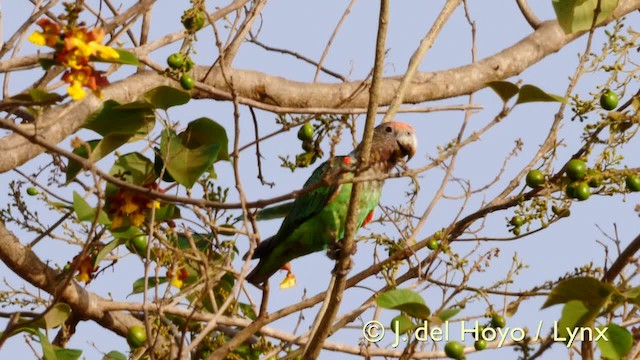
[393, 141]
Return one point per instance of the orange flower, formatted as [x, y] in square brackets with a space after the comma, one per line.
[126, 204]
[85, 269]
[74, 48]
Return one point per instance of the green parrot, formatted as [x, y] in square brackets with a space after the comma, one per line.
[317, 219]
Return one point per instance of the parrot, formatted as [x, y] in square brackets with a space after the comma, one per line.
[316, 220]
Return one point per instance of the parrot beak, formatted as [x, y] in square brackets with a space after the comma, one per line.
[408, 144]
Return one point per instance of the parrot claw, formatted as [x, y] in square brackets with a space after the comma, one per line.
[334, 250]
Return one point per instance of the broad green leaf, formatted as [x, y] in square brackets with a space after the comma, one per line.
[574, 314]
[577, 15]
[67, 354]
[164, 97]
[404, 300]
[134, 168]
[114, 355]
[530, 93]
[125, 57]
[592, 292]
[505, 89]
[128, 233]
[87, 213]
[167, 212]
[202, 241]
[617, 344]
[57, 315]
[402, 323]
[204, 131]
[184, 160]
[73, 167]
[138, 285]
[48, 352]
[114, 118]
[105, 250]
[448, 314]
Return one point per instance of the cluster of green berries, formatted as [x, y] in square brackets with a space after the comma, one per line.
[192, 20]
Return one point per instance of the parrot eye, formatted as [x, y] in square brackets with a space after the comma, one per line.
[388, 129]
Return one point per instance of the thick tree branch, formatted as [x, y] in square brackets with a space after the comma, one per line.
[62, 121]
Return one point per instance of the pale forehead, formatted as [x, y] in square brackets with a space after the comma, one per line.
[401, 126]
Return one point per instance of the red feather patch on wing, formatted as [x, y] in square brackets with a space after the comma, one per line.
[368, 218]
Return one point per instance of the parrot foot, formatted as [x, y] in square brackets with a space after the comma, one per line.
[334, 250]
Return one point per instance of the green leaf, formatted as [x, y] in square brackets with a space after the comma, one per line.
[57, 315]
[202, 241]
[134, 168]
[87, 213]
[402, 323]
[204, 131]
[164, 97]
[577, 15]
[114, 355]
[38, 95]
[404, 300]
[67, 354]
[592, 292]
[505, 89]
[574, 314]
[530, 93]
[48, 351]
[188, 156]
[448, 314]
[126, 58]
[167, 212]
[617, 344]
[74, 167]
[633, 295]
[114, 118]
[138, 285]
[105, 250]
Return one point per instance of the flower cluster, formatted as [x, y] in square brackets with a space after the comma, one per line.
[74, 48]
[178, 278]
[84, 267]
[126, 204]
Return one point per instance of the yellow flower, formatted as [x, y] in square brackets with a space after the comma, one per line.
[137, 218]
[289, 281]
[116, 222]
[83, 277]
[129, 205]
[104, 52]
[176, 282]
[37, 38]
[76, 91]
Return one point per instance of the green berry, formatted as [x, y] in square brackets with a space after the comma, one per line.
[31, 191]
[140, 244]
[175, 61]
[137, 336]
[403, 323]
[498, 321]
[582, 191]
[454, 350]
[306, 132]
[516, 231]
[432, 244]
[480, 344]
[193, 20]
[633, 182]
[609, 100]
[576, 169]
[187, 82]
[517, 221]
[535, 178]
